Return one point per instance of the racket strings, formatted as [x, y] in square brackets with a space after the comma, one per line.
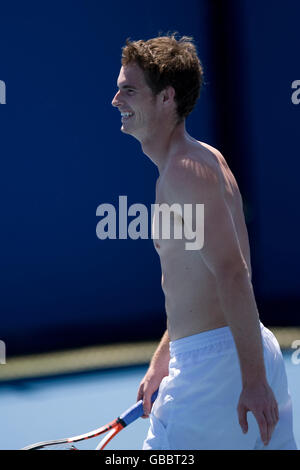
[112, 428]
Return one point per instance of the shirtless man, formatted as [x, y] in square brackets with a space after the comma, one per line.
[214, 363]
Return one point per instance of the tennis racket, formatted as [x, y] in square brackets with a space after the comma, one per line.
[113, 428]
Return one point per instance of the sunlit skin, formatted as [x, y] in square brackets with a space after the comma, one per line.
[211, 288]
[134, 96]
[154, 120]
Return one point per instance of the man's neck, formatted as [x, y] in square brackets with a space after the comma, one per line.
[164, 143]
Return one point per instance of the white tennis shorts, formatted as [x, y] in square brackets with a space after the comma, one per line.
[196, 407]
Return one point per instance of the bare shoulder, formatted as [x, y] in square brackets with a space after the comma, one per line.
[222, 164]
[212, 149]
[200, 173]
[196, 170]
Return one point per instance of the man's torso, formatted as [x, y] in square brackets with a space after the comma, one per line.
[190, 289]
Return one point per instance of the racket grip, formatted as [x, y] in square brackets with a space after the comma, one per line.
[135, 411]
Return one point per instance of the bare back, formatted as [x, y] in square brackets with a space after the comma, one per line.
[191, 299]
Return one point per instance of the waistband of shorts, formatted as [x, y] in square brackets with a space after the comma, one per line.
[204, 339]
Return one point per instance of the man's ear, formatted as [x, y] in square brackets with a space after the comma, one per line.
[168, 94]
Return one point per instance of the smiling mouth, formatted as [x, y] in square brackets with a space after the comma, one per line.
[125, 116]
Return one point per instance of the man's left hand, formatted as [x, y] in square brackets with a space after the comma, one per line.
[259, 399]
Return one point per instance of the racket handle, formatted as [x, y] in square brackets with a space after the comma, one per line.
[135, 411]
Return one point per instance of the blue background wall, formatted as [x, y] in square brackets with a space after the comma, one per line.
[256, 60]
[62, 154]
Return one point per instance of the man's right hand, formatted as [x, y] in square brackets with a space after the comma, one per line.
[158, 369]
[148, 386]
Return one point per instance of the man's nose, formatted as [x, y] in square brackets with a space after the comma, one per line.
[116, 101]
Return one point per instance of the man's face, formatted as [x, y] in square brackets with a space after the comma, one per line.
[136, 102]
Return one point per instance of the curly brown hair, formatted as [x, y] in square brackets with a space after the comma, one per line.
[167, 61]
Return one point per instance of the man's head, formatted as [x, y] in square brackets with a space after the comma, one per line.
[160, 77]
[167, 62]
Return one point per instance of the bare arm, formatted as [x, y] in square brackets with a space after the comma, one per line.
[223, 256]
[158, 369]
